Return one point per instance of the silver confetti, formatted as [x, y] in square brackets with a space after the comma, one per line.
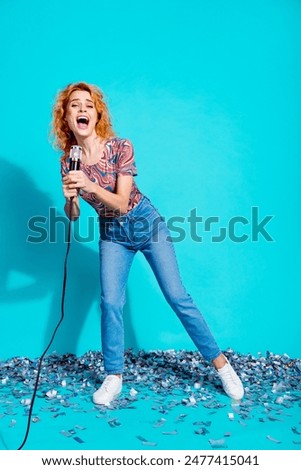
[272, 439]
[26, 401]
[164, 380]
[66, 433]
[114, 423]
[201, 431]
[146, 442]
[51, 393]
[217, 443]
[159, 423]
[295, 430]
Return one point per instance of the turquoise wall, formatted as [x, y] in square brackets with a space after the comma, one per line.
[209, 93]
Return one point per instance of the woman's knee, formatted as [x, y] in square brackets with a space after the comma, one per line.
[112, 303]
[178, 299]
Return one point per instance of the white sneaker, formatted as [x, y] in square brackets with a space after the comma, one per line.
[231, 382]
[110, 389]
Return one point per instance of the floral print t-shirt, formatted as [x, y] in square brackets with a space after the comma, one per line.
[117, 159]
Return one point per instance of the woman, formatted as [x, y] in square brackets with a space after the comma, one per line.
[128, 222]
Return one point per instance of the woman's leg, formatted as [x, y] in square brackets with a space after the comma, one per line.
[159, 252]
[115, 263]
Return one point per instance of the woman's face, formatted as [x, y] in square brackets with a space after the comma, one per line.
[81, 114]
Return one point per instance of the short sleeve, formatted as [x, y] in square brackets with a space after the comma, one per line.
[126, 162]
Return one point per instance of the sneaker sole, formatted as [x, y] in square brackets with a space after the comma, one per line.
[107, 402]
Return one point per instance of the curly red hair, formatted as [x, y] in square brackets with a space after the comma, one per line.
[63, 136]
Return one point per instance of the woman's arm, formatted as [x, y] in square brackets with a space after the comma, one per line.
[117, 201]
[75, 211]
[71, 193]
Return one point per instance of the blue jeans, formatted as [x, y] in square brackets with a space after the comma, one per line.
[142, 229]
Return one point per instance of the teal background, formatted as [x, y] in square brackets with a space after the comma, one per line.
[209, 94]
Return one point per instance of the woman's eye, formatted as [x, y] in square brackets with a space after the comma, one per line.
[74, 105]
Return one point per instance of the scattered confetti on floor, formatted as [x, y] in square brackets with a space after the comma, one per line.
[170, 400]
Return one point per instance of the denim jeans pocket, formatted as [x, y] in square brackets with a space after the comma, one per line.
[105, 229]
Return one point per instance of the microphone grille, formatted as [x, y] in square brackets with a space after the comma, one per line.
[75, 152]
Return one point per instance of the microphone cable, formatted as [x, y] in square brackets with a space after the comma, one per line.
[55, 329]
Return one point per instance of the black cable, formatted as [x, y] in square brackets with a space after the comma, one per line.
[56, 328]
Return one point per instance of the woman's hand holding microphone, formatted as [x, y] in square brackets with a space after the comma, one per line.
[74, 181]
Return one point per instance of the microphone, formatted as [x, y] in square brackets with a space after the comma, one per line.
[75, 157]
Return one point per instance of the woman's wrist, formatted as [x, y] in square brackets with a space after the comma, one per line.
[74, 199]
[93, 189]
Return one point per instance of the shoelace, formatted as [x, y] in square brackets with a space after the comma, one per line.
[228, 375]
[107, 383]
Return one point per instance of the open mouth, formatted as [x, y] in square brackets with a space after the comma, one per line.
[82, 122]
